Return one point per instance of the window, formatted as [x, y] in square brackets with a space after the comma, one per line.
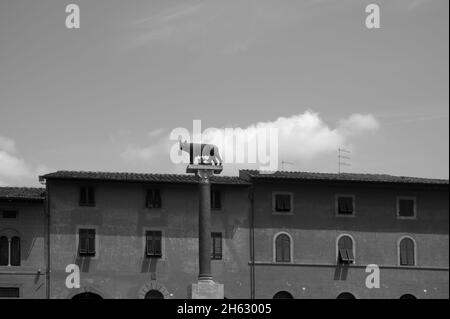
[87, 196]
[153, 199]
[282, 248]
[86, 242]
[154, 294]
[345, 250]
[10, 251]
[345, 205]
[216, 246]
[153, 243]
[9, 214]
[407, 252]
[406, 207]
[283, 295]
[4, 251]
[346, 295]
[282, 202]
[9, 292]
[216, 202]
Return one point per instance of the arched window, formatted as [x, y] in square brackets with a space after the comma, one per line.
[154, 294]
[282, 248]
[407, 296]
[9, 251]
[407, 252]
[4, 251]
[346, 253]
[345, 295]
[283, 295]
[87, 295]
[15, 251]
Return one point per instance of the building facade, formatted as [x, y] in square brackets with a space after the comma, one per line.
[22, 243]
[313, 235]
[280, 235]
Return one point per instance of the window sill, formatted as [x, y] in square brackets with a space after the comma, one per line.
[290, 213]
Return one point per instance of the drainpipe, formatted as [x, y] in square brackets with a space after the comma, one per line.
[252, 242]
[47, 211]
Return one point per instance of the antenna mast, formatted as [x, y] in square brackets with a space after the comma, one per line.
[342, 158]
[285, 162]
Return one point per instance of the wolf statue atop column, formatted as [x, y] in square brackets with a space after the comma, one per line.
[205, 154]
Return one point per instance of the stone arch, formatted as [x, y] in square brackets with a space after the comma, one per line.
[155, 287]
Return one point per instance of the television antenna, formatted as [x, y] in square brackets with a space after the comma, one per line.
[285, 162]
[343, 158]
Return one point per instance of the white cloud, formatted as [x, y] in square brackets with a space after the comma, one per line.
[7, 145]
[14, 170]
[300, 137]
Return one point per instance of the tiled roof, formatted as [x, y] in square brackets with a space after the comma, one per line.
[140, 177]
[347, 177]
[22, 194]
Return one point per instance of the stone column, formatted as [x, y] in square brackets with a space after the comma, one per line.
[204, 225]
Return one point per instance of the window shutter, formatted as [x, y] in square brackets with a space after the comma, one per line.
[406, 207]
[83, 195]
[410, 252]
[283, 248]
[216, 245]
[343, 257]
[156, 198]
[91, 196]
[15, 251]
[149, 199]
[157, 244]
[4, 254]
[218, 203]
[287, 203]
[82, 241]
[91, 241]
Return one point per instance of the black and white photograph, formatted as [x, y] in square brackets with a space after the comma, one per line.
[245, 150]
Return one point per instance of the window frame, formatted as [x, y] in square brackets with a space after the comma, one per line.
[414, 199]
[96, 241]
[399, 252]
[13, 286]
[220, 191]
[336, 205]
[212, 245]
[163, 243]
[9, 234]
[353, 248]
[87, 203]
[274, 248]
[274, 203]
[15, 211]
[152, 189]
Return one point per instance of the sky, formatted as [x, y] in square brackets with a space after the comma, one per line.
[106, 96]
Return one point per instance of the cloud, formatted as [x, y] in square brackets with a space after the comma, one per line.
[7, 145]
[14, 170]
[300, 137]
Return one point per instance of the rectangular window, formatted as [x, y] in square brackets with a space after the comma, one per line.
[283, 203]
[216, 246]
[87, 196]
[9, 292]
[9, 214]
[153, 243]
[153, 199]
[406, 207]
[345, 205]
[86, 242]
[216, 202]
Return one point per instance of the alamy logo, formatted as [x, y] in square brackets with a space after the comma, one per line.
[373, 279]
[254, 145]
[73, 279]
[73, 19]
[373, 19]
